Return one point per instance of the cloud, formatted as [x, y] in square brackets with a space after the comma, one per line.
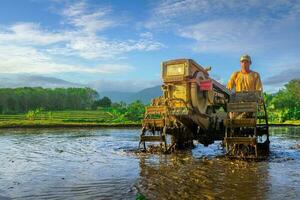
[284, 76]
[8, 80]
[94, 47]
[224, 36]
[169, 13]
[222, 26]
[265, 29]
[27, 47]
[17, 59]
[80, 16]
[103, 85]
[66, 43]
[85, 40]
[172, 12]
[30, 34]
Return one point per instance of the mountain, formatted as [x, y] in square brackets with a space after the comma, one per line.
[147, 94]
[144, 95]
[13, 81]
[117, 96]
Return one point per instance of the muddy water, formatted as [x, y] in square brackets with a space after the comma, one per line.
[100, 164]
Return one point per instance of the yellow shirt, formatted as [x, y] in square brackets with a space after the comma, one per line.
[245, 82]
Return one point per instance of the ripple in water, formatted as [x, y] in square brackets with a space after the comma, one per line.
[100, 164]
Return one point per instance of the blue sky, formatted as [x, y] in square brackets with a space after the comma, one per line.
[119, 45]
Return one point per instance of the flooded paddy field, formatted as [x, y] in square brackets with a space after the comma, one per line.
[102, 164]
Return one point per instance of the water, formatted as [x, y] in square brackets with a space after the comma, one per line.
[100, 164]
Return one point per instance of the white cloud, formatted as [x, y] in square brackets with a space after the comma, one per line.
[30, 34]
[16, 59]
[226, 26]
[224, 36]
[80, 16]
[27, 47]
[85, 42]
[75, 9]
[95, 47]
[172, 12]
[82, 40]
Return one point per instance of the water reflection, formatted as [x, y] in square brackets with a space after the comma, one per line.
[67, 163]
[98, 164]
[289, 131]
[182, 177]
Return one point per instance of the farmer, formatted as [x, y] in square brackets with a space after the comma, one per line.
[245, 79]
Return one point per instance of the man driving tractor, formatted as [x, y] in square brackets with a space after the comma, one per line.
[247, 133]
[245, 79]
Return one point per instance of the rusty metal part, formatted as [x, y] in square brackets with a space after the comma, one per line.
[187, 110]
[243, 136]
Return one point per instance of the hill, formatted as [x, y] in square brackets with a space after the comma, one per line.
[144, 95]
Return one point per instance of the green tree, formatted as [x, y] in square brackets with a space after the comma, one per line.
[135, 111]
[285, 104]
[104, 102]
[22, 100]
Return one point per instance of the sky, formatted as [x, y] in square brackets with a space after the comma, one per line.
[117, 45]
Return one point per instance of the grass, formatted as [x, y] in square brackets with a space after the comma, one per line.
[64, 119]
[288, 122]
[294, 122]
[79, 119]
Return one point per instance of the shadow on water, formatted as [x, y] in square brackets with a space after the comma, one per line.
[101, 164]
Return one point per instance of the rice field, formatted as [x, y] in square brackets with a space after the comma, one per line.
[61, 118]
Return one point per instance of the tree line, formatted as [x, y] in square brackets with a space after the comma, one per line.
[22, 100]
[282, 106]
